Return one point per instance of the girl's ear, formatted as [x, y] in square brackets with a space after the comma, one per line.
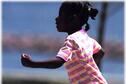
[75, 21]
[73, 17]
[76, 18]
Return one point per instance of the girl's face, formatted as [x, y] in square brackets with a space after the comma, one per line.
[62, 22]
[66, 21]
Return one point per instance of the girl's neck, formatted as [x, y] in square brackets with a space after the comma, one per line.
[73, 31]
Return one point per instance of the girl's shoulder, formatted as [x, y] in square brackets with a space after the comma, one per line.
[77, 34]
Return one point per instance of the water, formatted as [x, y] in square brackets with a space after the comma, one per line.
[113, 70]
[11, 61]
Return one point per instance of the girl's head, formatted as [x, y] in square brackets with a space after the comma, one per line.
[73, 15]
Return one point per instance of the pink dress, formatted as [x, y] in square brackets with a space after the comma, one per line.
[78, 51]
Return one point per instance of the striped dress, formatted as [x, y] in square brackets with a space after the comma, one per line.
[77, 51]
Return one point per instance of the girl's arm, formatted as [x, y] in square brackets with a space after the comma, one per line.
[51, 64]
[98, 56]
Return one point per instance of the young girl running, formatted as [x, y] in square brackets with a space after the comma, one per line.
[78, 49]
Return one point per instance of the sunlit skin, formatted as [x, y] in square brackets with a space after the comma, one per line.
[66, 24]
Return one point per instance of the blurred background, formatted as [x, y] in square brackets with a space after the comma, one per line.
[29, 27]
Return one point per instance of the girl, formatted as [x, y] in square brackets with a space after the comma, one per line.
[78, 49]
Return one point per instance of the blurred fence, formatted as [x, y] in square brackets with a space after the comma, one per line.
[42, 44]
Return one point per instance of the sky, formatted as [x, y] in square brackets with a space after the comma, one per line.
[38, 18]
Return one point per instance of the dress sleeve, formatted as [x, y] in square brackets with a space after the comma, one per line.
[96, 46]
[66, 51]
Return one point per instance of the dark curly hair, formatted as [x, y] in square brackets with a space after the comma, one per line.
[82, 9]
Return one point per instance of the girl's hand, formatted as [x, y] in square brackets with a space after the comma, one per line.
[26, 60]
